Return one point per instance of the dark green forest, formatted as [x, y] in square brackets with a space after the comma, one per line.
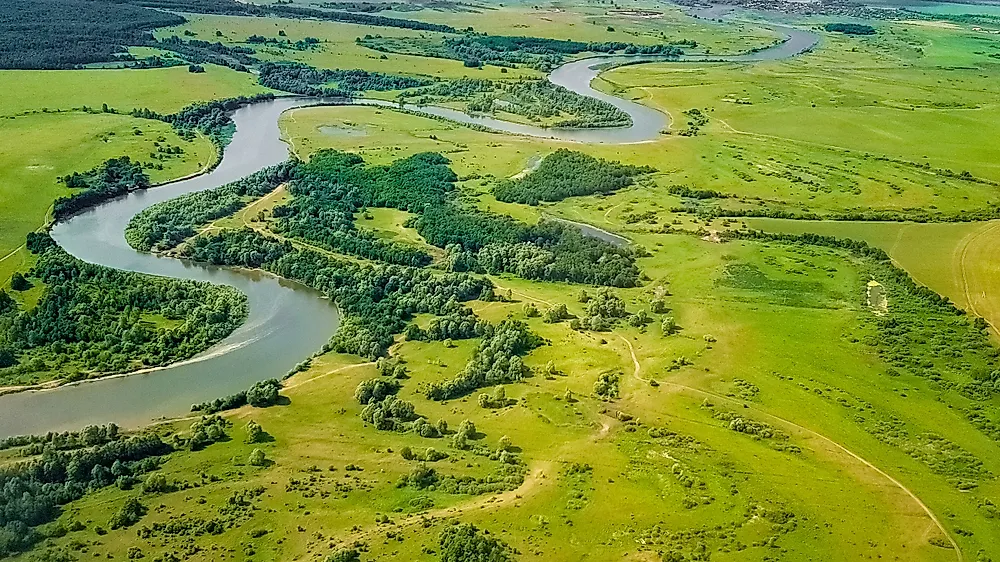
[92, 320]
[54, 34]
[565, 173]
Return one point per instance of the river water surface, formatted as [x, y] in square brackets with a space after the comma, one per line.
[287, 322]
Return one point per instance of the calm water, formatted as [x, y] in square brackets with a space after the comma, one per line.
[287, 322]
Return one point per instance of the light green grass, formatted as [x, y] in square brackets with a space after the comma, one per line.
[164, 90]
[37, 149]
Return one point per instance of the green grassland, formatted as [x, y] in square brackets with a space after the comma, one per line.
[37, 149]
[953, 259]
[337, 48]
[164, 90]
[849, 456]
[801, 494]
[802, 134]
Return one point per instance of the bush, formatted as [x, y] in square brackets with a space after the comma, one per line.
[257, 458]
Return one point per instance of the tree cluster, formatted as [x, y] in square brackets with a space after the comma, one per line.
[113, 178]
[497, 360]
[850, 28]
[565, 173]
[464, 542]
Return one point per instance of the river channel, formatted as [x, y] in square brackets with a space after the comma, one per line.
[287, 322]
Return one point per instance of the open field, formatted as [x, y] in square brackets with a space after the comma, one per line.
[37, 149]
[164, 90]
[953, 259]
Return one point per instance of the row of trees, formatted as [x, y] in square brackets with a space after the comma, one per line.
[378, 301]
[91, 318]
[235, 8]
[299, 78]
[53, 34]
[113, 178]
[165, 225]
[565, 173]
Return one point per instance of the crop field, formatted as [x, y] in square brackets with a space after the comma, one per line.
[689, 373]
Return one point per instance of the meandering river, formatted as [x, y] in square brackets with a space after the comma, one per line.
[287, 322]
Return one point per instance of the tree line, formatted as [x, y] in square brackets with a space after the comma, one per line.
[565, 173]
[299, 78]
[113, 178]
[234, 8]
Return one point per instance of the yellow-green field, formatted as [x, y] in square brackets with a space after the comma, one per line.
[164, 90]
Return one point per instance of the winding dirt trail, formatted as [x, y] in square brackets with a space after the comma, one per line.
[535, 479]
[937, 522]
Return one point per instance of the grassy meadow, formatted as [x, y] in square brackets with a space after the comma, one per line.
[39, 148]
[779, 421]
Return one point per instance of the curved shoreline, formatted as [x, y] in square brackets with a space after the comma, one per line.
[283, 323]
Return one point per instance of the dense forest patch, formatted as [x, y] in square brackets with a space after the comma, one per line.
[565, 173]
[89, 320]
[299, 78]
[65, 33]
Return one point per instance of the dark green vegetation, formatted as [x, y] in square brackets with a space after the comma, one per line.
[113, 178]
[163, 227]
[299, 78]
[850, 28]
[565, 173]
[70, 465]
[377, 300]
[536, 100]
[465, 542]
[92, 320]
[66, 33]
[537, 52]
[333, 186]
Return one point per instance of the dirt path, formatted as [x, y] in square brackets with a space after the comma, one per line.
[963, 268]
[533, 481]
[637, 374]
